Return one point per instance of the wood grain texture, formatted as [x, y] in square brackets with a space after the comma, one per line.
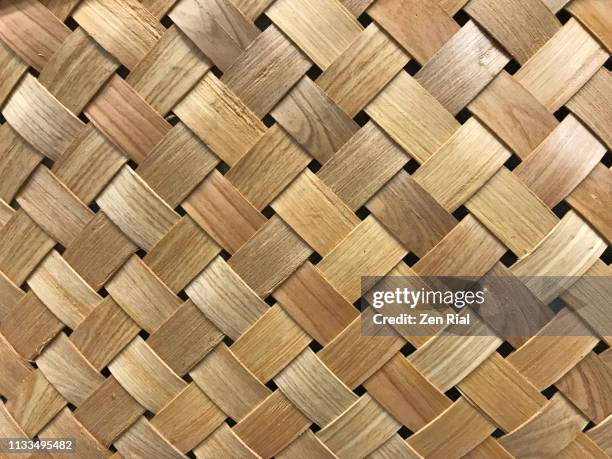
[322, 29]
[31, 30]
[564, 64]
[264, 73]
[522, 27]
[125, 29]
[220, 119]
[412, 117]
[195, 195]
[462, 68]
[472, 147]
[168, 71]
[355, 77]
[512, 113]
[40, 119]
[314, 120]
[77, 70]
[315, 213]
[216, 27]
[422, 32]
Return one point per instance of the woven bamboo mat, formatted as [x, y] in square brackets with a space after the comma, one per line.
[190, 192]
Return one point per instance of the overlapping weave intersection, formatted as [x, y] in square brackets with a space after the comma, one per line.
[191, 190]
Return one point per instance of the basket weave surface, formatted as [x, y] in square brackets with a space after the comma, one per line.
[191, 190]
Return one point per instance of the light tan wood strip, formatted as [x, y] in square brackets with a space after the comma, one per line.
[321, 28]
[562, 66]
[412, 117]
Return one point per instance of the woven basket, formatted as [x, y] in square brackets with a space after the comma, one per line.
[191, 192]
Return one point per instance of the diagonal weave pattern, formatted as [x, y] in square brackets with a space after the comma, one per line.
[191, 190]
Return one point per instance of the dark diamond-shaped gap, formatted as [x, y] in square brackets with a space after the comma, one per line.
[183, 295]
[461, 18]
[315, 346]
[83, 117]
[230, 422]
[25, 287]
[102, 292]
[268, 121]
[269, 300]
[361, 118]
[48, 162]
[460, 212]
[71, 407]
[14, 205]
[498, 433]
[404, 432]
[166, 21]
[561, 209]
[550, 391]
[561, 113]
[411, 166]
[601, 347]
[512, 67]
[589, 426]
[2, 119]
[3, 398]
[314, 72]
[228, 341]
[411, 259]
[512, 162]
[314, 258]
[505, 349]
[59, 248]
[463, 115]
[172, 119]
[606, 160]
[32, 71]
[362, 213]
[187, 378]
[271, 385]
[314, 428]
[106, 372]
[122, 71]
[453, 393]
[365, 19]
[71, 23]
[508, 259]
[412, 67]
[359, 391]
[563, 16]
[225, 254]
[149, 415]
[606, 256]
[143, 334]
[557, 305]
[314, 166]
[407, 349]
[132, 164]
[94, 207]
[216, 71]
[608, 64]
[67, 330]
[191, 455]
[263, 22]
[112, 449]
[222, 167]
[268, 212]
[179, 210]
[358, 303]
[141, 253]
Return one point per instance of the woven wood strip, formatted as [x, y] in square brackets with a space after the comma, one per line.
[191, 191]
